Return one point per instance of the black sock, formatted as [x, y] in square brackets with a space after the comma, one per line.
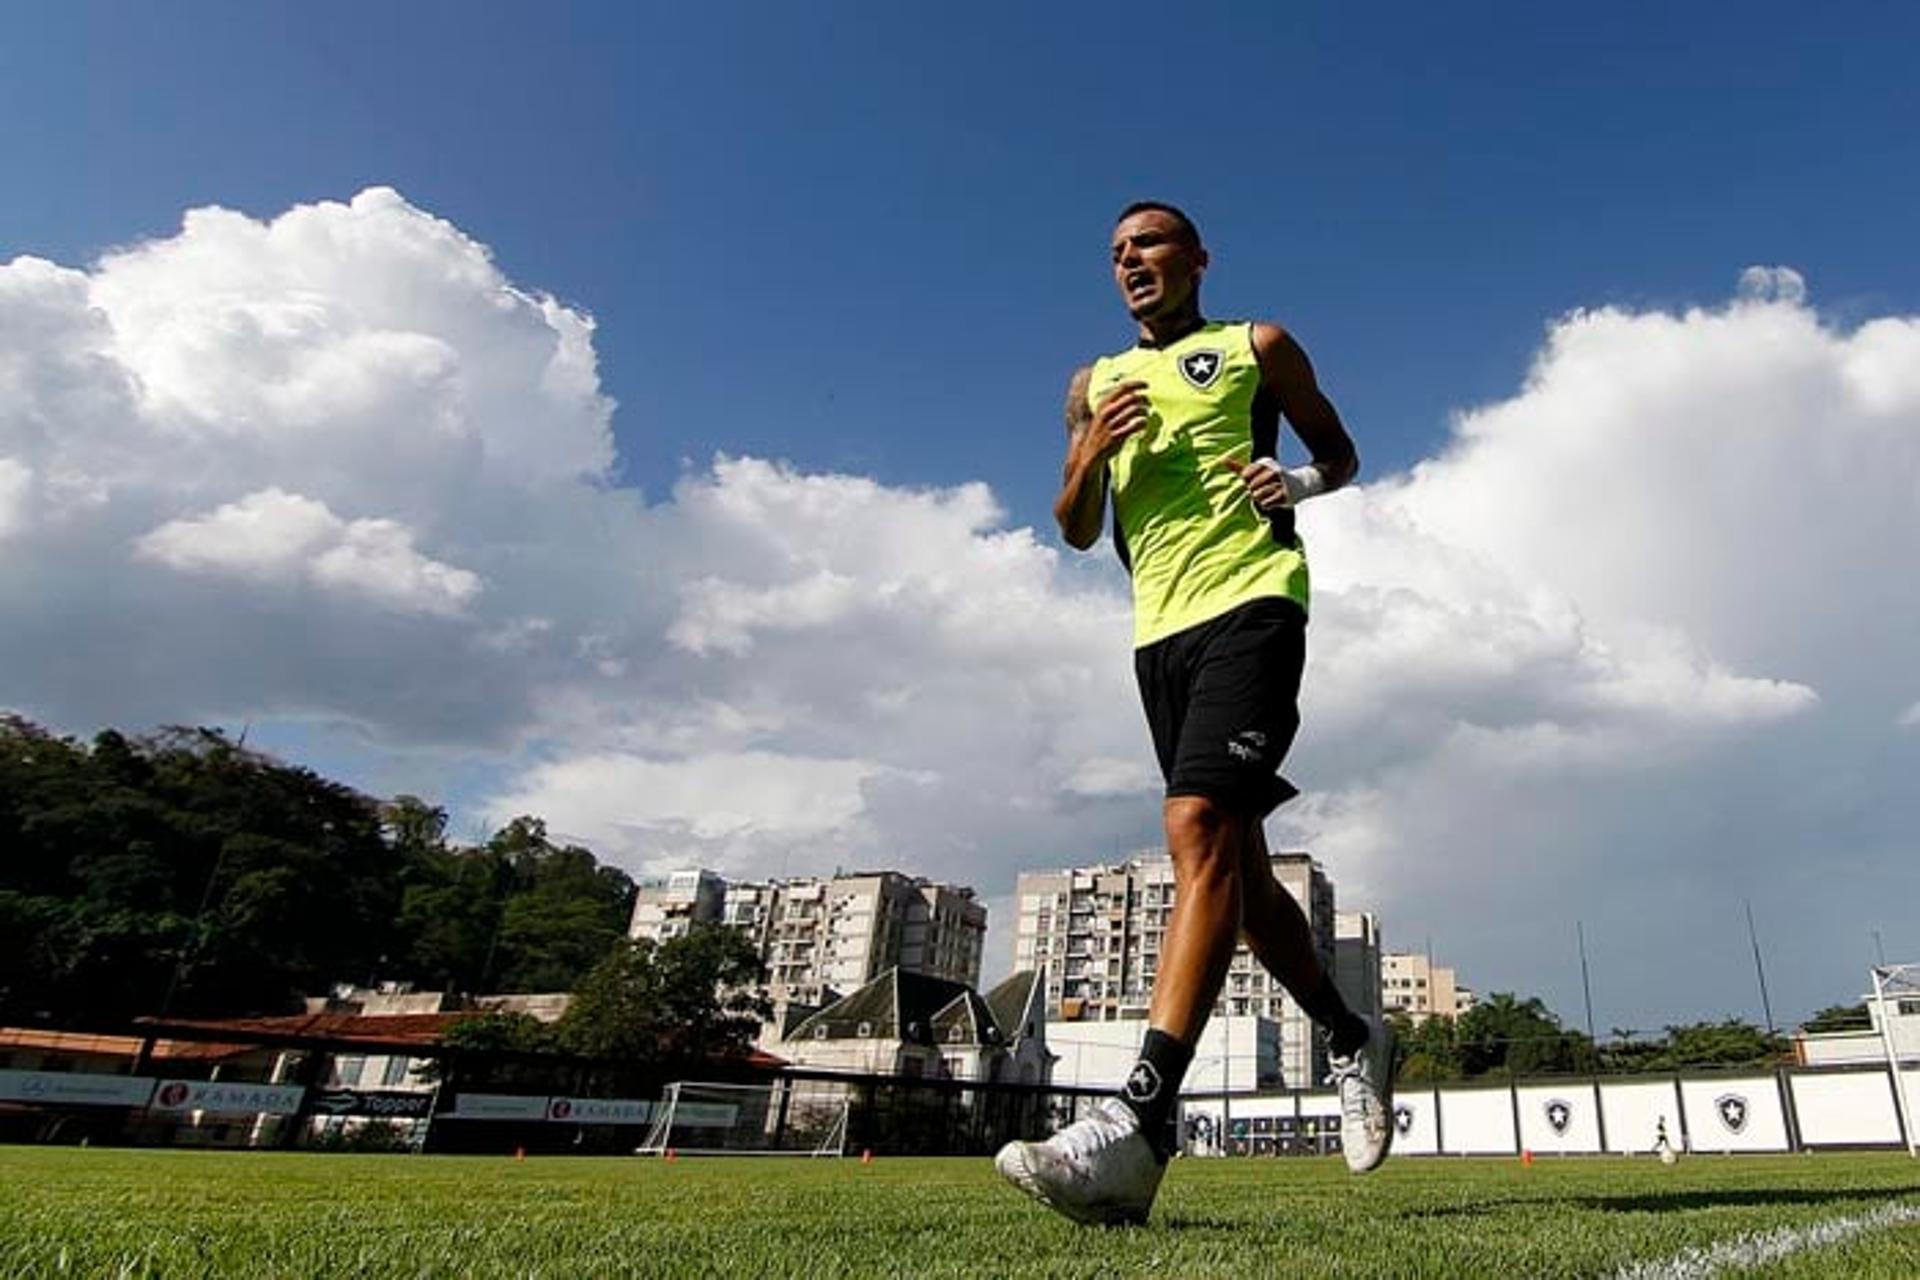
[1153, 1087]
[1346, 1030]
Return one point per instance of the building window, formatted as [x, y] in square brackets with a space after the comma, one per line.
[396, 1072]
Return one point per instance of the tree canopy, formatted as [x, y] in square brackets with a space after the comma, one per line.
[1510, 1036]
[183, 873]
[689, 999]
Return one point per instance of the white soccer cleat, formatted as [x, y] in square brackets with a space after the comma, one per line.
[1365, 1082]
[1099, 1170]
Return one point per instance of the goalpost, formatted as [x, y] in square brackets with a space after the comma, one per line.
[786, 1118]
[1902, 983]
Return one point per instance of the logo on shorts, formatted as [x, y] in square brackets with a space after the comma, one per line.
[1143, 1084]
[1403, 1118]
[1201, 368]
[1559, 1115]
[1732, 1109]
[1249, 745]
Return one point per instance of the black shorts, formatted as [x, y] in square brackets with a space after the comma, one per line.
[1222, 700]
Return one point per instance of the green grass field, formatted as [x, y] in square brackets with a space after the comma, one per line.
[96, 1212]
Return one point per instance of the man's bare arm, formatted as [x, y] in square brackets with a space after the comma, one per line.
[1093, 436]
[1288, 376]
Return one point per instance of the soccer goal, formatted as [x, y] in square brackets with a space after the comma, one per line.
[1896, 998]
[786, 1118]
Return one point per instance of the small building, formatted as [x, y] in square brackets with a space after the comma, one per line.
[1895, 1018]
[912, 1024]
[1412, 984]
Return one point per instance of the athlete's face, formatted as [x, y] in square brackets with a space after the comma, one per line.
[1155, 265]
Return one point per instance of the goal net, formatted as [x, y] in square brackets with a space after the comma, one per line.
[786, 1118]
[1896, 1012]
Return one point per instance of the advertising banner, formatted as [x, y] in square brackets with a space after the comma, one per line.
[498, 1106]
[1559, 1117]
[1321, 1106]
[74, 1088]
[392, 1104]
[243, 1097]
[606, 1110]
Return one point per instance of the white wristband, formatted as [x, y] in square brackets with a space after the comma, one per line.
[1302, 482]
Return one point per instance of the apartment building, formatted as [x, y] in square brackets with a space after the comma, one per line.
[1356, 961]
[1411, 983]
[668, 906]
[1098, 929]
[827, 935]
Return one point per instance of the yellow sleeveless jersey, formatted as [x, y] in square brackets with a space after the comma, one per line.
[1194, 542]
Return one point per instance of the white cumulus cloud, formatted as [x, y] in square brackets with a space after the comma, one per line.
[16, 483]
[276, 535]
[1622, 651]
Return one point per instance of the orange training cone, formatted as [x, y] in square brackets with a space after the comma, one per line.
[1526, 1156]
[672, 1154]
[519, 1153]
[866, 1157]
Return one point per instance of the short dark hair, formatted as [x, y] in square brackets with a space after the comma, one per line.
[1188, 231]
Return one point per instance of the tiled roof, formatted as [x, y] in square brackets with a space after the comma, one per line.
[400, 1031]
[84, 1043]
[897, 1005]
[1009, 1000]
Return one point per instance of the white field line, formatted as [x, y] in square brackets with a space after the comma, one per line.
[1752, 1249]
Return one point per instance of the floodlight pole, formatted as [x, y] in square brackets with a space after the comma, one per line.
[1898, 1080]
[1759, 970]
[1586, 986]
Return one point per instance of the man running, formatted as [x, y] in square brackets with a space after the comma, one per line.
[1183, 430]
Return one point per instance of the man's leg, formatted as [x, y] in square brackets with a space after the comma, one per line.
[1277, 932]
[1207, 845]
[1205, 842]
[1106, 1167]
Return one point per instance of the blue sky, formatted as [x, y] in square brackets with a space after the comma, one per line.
[869, 242]
[870, 238]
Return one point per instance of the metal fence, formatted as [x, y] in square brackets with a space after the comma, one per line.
[318, 1093]
[192, 1088]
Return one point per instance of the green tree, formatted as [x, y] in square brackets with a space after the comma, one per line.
[1431, 1048]
[681, 1002]
[1627, 1053]
[563, 914]
[181, 870]
[1505, 1035]
[1730, 1043]
[1840, 1017]
[496, 1031]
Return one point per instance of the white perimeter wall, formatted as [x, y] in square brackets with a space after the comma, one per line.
[1634, 1110]
[1577, 1106]
[1735, 1113]
[1731, 1113]
[1477, 1122]
[1843, 1109]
